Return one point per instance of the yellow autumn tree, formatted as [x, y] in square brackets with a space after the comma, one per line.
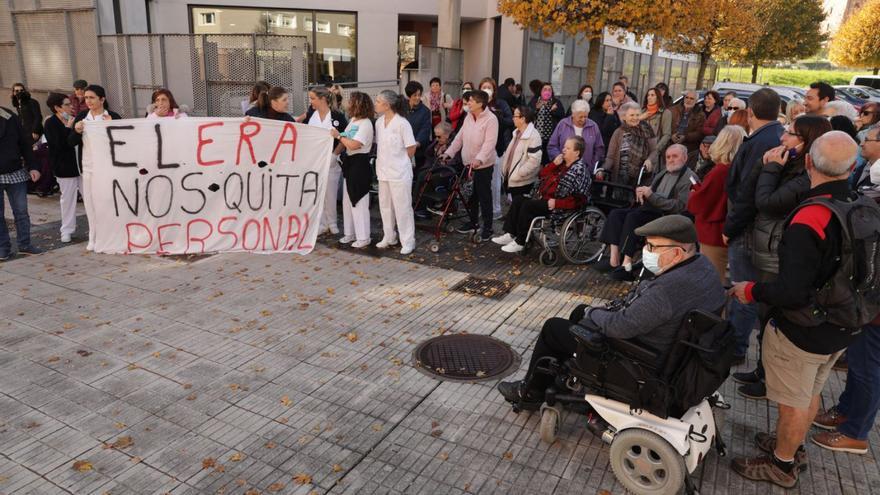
[857, 42]
[590, 19]
[711, 27]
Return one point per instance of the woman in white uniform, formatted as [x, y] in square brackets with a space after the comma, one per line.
[356, 142]
[321, 115]
[396, 146]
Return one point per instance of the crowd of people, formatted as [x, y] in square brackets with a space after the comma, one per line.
[744, 176]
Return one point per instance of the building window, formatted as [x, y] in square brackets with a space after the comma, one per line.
[207, 19]
[333, 54]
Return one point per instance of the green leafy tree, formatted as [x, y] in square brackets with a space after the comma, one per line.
[857, 42]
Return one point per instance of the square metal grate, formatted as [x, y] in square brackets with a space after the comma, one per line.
[475, 286]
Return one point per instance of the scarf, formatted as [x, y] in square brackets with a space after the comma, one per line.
[434, 101]
[639, 136]
[652, 109]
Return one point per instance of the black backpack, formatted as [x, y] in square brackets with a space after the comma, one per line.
[850, 298]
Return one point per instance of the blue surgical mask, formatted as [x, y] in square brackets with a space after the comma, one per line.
[651, 261]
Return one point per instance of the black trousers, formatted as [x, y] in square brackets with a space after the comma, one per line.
[482, 196]
[520, 215]
[519, 191]
[555, 340]
[620, 228]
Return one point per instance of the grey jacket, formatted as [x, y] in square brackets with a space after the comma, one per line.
[654, 310]
[671, 190]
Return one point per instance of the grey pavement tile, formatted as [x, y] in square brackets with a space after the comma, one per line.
[14, 477]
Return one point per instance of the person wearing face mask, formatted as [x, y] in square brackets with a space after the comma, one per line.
[651, 312]
[548, 112]
[62, 160]
[586, 94]
[459, 108]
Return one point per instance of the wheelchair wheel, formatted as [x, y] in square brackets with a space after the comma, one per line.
[434, 247]
[449, 227]
[550, 419]
[646, 464]
[548, 257]
[579, 239]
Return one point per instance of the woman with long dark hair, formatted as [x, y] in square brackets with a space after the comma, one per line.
[258, 88]
[355, 142]
[164, 105]
[395, 148]
[712, 109]
[272, 104]
[603, 114]
[62, 160]
[659, 117]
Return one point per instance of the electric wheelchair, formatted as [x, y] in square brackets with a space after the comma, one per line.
[657, 413]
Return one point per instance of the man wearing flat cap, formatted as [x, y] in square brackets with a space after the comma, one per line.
[651, 312]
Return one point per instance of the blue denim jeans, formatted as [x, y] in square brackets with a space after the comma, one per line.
[741, 316]
[860, 399]
[18, 200]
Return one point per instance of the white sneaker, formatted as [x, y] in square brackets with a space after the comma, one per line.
[361, 244]
[384, 243]
[334, 230]
[347, 239]
[513, 247]
[497, 216]
[65, 238]
[407, 250]
[503, 240]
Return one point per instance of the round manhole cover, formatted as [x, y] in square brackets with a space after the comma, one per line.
[465, 358]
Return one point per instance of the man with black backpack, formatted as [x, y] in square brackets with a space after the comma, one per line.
[824, 294]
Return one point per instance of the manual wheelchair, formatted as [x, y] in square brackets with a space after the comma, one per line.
[633, 399]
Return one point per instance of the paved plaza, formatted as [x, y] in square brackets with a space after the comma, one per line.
[246, 374]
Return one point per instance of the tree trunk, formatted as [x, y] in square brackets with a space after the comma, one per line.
[701, 73]
[593, 61]
[754, 72]
[875, 70]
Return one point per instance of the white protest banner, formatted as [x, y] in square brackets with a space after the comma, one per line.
[184, 186]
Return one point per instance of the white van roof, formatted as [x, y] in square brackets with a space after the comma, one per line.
[866, 80]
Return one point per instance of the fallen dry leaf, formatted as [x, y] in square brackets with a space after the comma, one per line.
[275, 487]
[266, 312]
[337, 468]
[82, 466]
[157, 354]
[436, 433]
[234, 386]
[67, 326]
[377, 427]
[270, 445]
[52, 359]
[286, 401]
[122, 442]
[302, 479]
[208, 462]
[481, 374]
[351, 336]
[252, 491]
[236, 457]
[119, 426]
[507, 456]
[331, 290]
[443, 456]
[136, 460]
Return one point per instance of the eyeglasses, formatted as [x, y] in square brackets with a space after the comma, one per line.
[652, 247]
[732, 108]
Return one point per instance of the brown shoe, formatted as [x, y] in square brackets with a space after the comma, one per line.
[838, 442]
[762, 468]
[830, 419]
[766, 443]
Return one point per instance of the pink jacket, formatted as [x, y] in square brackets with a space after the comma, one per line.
[476, 140]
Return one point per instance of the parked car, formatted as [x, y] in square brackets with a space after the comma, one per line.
[744, 90]
[866, 80]
[863, 92]
[848, 97]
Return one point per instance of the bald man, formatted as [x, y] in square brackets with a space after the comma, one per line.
[800, 344]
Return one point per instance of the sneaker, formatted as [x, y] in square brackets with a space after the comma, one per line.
[347, 239]
[766, 443]
[65, 238]
[830, 419]
[747, 377]
[514, 392]
[27, 250]
[755, 391]
[503, 240]
[497, 216]
[405, 250]
[603, 266]
[838, 442]
[467, 228]
[5, 255]
[486, 236]
[422, 214]
[622, 275]
[762, 468]
[384, 243]
[513, 247]
[360, 244]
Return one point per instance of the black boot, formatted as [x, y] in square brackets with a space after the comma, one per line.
[521, 398]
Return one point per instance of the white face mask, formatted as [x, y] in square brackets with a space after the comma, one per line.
[651, 261]
[467, 109]
[586, 95]
[488, 91]
[65, 116]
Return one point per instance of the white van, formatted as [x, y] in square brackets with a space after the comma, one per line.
[866, 80]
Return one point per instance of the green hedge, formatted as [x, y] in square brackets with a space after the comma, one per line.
[788, 77]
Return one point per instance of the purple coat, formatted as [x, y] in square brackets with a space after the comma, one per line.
[594, 149]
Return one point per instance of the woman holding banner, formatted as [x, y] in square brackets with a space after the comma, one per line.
[321, 115]
[272, 105]
[97, 109]
[356, 141]
[395, 148]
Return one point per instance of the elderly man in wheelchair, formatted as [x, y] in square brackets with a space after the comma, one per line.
[606, 360]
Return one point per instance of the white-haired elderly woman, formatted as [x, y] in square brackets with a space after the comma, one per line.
[578, 125]
[840, 107]
[632, 146]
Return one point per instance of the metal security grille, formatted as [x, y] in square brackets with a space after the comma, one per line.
[475, 286]
[211, 73]
[445, 63]
[465, 358]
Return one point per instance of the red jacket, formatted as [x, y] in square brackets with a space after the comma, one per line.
[548, 183]
[711, 121]
[708, 203]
